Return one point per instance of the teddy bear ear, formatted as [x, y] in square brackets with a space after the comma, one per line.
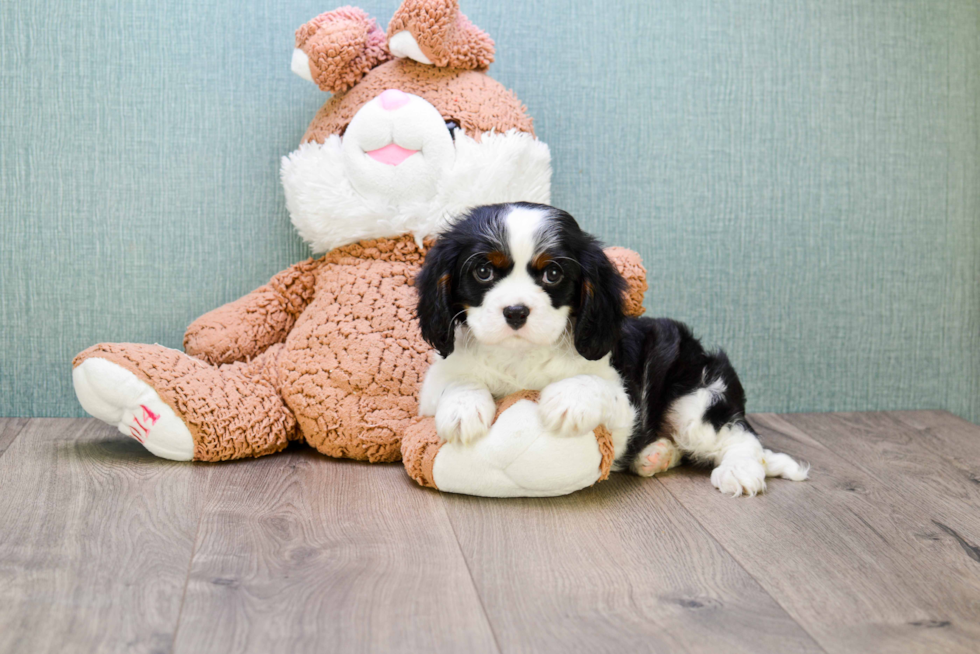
[337, 48]
[436, 32]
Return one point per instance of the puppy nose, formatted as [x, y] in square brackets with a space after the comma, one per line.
[392, 99]
[516, 315]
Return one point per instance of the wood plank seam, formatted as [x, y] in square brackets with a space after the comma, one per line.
[611, 566]
[190, 567]
[95, 563]
[18, 429]
[928, 613]
[971, 550]
[476, 588]
[737, 562]
[945, 453]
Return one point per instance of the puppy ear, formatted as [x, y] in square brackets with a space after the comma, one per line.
[600, 315]
[435, 309]
[436, 32]
[337, 48]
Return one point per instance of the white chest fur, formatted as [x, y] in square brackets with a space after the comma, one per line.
[504, 370]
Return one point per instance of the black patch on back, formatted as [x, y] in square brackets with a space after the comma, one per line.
[660, 361]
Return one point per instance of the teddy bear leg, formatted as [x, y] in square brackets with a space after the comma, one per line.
[118, 397]
[182, 408]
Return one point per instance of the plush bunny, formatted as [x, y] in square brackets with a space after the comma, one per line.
[329, 351]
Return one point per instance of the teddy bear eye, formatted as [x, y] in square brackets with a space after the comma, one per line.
[552, 274]
[452, 126]
[483, 273]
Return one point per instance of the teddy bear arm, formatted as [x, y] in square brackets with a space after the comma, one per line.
[630, 266]
[246, 327]
[518, 457]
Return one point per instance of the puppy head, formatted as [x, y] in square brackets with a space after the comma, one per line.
[518, 275]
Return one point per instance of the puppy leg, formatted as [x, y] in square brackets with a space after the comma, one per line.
[659, 456]
[742, 464]
[739, 458]
[581, 403]
[464, 412]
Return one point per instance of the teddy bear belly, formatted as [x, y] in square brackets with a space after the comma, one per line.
[355, 360]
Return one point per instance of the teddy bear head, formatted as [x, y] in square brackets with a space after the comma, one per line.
[414, 133]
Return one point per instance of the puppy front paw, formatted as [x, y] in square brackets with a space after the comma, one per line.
[739, 476]
[570, 407]
[465, 415]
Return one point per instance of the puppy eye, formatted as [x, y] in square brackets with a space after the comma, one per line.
[452, 126]
[484, 272]
[552, 275]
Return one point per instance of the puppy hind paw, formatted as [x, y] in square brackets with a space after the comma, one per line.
[659, 456]
[739, 477]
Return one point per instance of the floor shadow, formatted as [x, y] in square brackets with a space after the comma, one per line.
[110, 448]
[611, 491]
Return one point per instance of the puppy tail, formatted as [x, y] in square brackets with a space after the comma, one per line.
[783, 465]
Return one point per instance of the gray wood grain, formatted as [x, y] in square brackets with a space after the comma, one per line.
[95, 542]
[928, 460]
[950, 437]
[297, 552]
[9, 428]
[106, 548]
[858, 566]
[619, 567]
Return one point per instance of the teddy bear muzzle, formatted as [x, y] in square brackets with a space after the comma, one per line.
[397, 147]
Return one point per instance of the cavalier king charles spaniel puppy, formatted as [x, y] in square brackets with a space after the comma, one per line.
[517, 296]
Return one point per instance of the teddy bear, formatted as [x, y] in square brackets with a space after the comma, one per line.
[328, 351]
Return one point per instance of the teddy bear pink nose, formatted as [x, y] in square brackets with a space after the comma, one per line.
[392, 99]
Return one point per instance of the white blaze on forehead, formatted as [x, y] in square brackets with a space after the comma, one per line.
[525, 230]
[526, 234]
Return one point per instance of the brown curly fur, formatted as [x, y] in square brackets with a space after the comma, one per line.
[329, 350]
[477, 102]
[445, 36]
[342, 46]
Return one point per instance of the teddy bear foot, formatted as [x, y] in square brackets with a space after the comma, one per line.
[114, 395]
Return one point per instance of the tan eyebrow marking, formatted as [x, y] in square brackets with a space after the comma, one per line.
[541, 261]
[498, 259]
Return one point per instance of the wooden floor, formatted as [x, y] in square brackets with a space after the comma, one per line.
[104, 548]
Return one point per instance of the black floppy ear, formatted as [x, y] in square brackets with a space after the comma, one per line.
[600, 316]
[435, 308]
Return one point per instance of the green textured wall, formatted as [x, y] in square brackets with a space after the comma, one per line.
[802, 178]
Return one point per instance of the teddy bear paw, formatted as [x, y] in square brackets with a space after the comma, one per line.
[114, 395]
